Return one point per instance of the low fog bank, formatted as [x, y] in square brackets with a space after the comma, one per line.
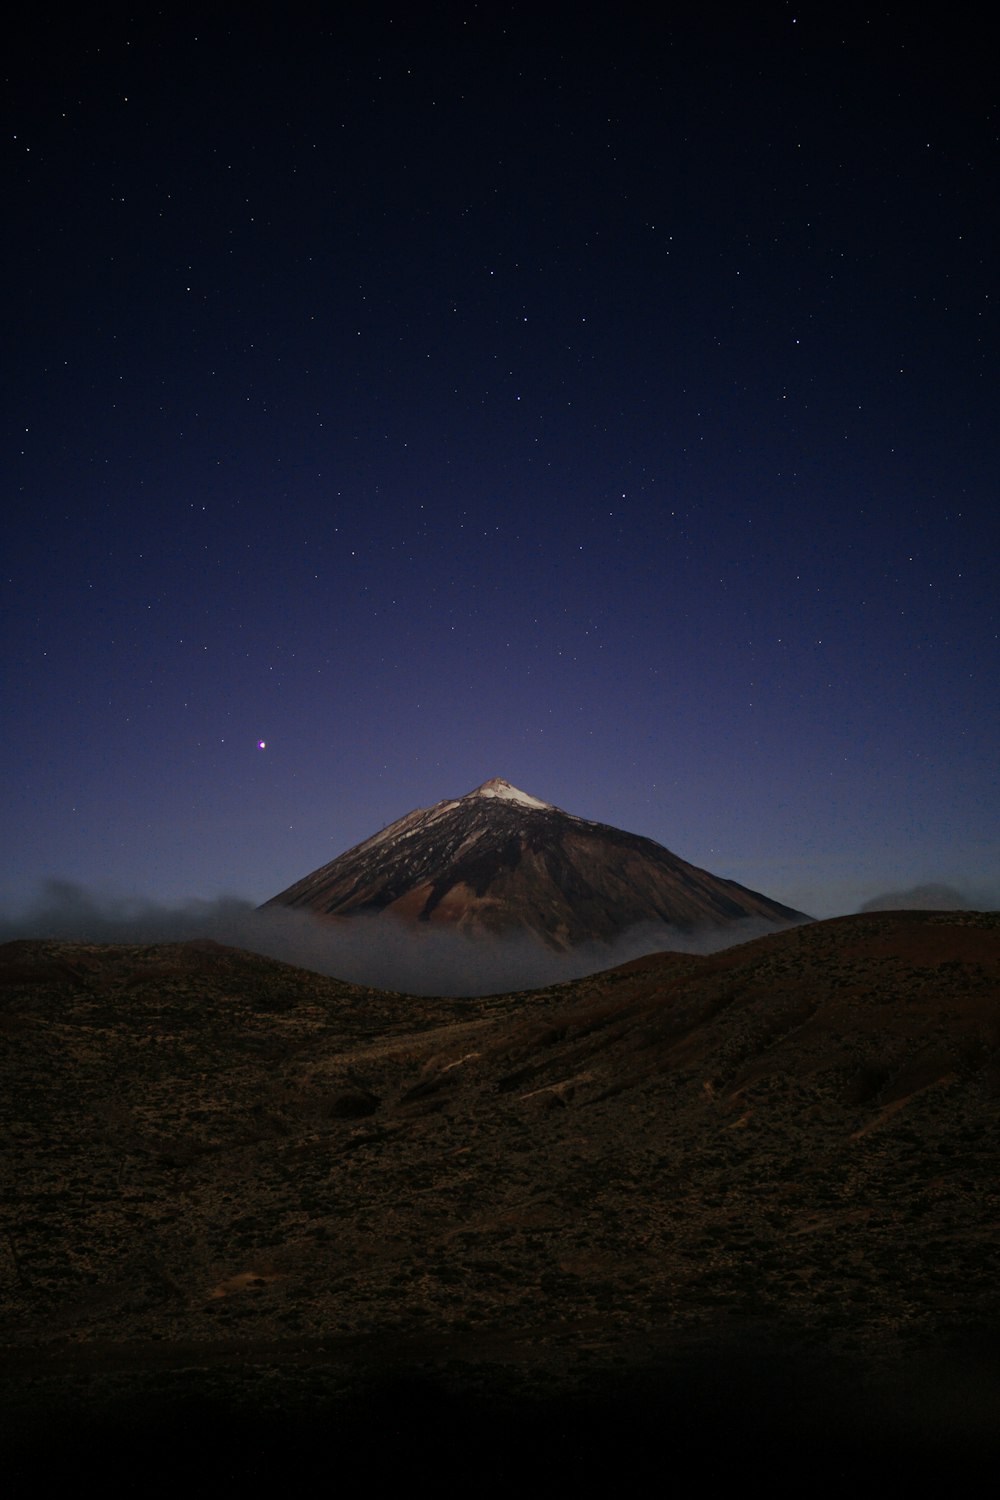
[365, 950]
[934, 898]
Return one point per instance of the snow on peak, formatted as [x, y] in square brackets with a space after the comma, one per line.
[497, 787]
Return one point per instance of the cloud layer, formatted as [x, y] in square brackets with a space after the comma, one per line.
[366, 950]
[931, 898]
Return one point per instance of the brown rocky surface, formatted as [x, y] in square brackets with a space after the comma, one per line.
[758, 1188]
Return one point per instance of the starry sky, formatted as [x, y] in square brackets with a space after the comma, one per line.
[606, 406]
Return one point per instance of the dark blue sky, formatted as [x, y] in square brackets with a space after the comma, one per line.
[609, 409]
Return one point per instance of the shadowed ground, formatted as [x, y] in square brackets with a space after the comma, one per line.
[754, 1193]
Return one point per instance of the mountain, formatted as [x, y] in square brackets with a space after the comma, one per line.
[501, 861]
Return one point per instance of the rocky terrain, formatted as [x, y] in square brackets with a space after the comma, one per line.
[754, 1193]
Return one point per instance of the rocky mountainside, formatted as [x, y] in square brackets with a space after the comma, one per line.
[501, 861]
[744, 1204]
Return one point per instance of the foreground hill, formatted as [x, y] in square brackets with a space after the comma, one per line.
[759, 1186]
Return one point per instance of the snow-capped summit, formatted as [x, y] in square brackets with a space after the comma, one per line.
[499, 860]
[497, 787]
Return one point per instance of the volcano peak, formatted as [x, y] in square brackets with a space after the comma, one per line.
[498, 787]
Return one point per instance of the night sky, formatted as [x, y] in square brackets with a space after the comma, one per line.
[609, 408]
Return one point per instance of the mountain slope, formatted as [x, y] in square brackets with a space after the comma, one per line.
[501, 861]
